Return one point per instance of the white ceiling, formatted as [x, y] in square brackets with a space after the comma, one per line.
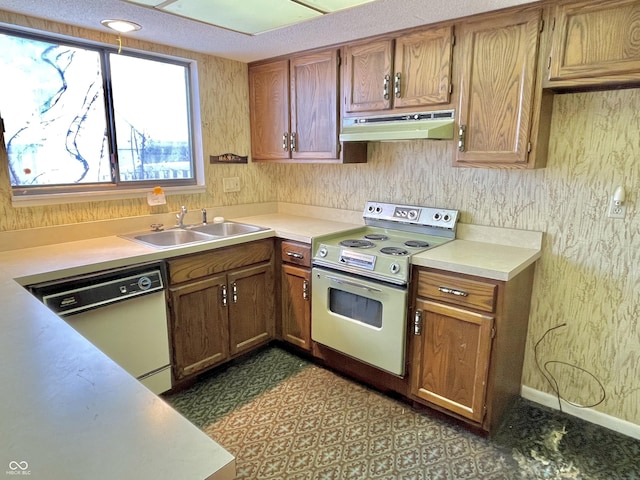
[370, 19]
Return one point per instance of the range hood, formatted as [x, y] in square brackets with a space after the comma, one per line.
[426, 125]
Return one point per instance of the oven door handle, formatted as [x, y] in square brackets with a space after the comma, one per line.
[353, 284]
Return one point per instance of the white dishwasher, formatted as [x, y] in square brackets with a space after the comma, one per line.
[123, 313]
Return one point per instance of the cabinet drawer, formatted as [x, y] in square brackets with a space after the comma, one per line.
[296, 253]
[456, 290]
[192, 267]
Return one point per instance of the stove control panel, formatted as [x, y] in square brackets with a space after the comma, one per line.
[427, 216]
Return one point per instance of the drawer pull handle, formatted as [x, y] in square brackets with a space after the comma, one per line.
[297, 255]
[453, 291]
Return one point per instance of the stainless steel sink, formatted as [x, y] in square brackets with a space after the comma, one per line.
[226, 229]
[170, 238]
[174, 237]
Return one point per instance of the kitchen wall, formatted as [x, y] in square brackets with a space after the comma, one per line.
[587, 276]
[224, 107]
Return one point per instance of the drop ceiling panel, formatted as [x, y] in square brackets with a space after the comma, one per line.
[247, 16]
[333, 5]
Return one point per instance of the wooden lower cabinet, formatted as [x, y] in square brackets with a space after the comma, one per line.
[251, 307]
[451, 358]
[295, 297]
[221, 304]
[467, 342]
[296, 306]
[199, 331]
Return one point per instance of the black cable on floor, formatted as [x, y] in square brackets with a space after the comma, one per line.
[552, 380]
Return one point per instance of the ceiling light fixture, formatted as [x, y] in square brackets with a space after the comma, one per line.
[122, 26]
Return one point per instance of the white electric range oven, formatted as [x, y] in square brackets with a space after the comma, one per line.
[360, 281]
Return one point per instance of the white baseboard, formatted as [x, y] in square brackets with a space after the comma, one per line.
[587, 414]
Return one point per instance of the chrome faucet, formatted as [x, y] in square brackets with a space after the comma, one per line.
[180, 216]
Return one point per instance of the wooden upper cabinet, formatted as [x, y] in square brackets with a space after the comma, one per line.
[294, 111]
[314, 105]
[410, 72]
[269, 110]
[367, 76]
[500, 97]
[595, 43]
[423, 68]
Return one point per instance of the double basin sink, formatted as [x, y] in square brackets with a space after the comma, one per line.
[176, 236]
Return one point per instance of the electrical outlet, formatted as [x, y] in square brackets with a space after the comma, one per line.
[616, 211]
[231, 184]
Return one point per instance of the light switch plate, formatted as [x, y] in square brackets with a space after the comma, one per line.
[231, 184]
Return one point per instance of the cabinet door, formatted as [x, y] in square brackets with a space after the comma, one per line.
[423, 68]
[596, 39]
[251, 307]
[269, 110]
[296, 306]
[451, 352]
[367, 76]
[497, 76]
[198, 321]
[314, 106]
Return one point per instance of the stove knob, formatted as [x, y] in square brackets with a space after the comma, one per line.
[394, 268]
[322, 252]
[413, 214]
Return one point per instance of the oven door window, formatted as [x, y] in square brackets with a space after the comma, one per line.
[362, 309]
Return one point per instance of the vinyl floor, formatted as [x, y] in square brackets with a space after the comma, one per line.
[285, 418]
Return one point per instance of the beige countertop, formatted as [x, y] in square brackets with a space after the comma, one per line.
[499, 262]
[497, 253]
[70, 412]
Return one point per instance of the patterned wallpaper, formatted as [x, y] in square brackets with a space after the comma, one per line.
[587, 276]
[224, 104]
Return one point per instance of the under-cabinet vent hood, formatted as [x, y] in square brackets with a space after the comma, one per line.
[426, 125]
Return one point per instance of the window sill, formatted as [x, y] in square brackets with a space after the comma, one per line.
[84, 197]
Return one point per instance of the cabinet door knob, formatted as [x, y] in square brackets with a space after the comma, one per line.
[397, 85]
[417, 323]
[293, 142]
[462, 133]
[224, 295]
[385, 87]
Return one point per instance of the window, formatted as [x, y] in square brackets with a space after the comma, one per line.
[80, 117]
